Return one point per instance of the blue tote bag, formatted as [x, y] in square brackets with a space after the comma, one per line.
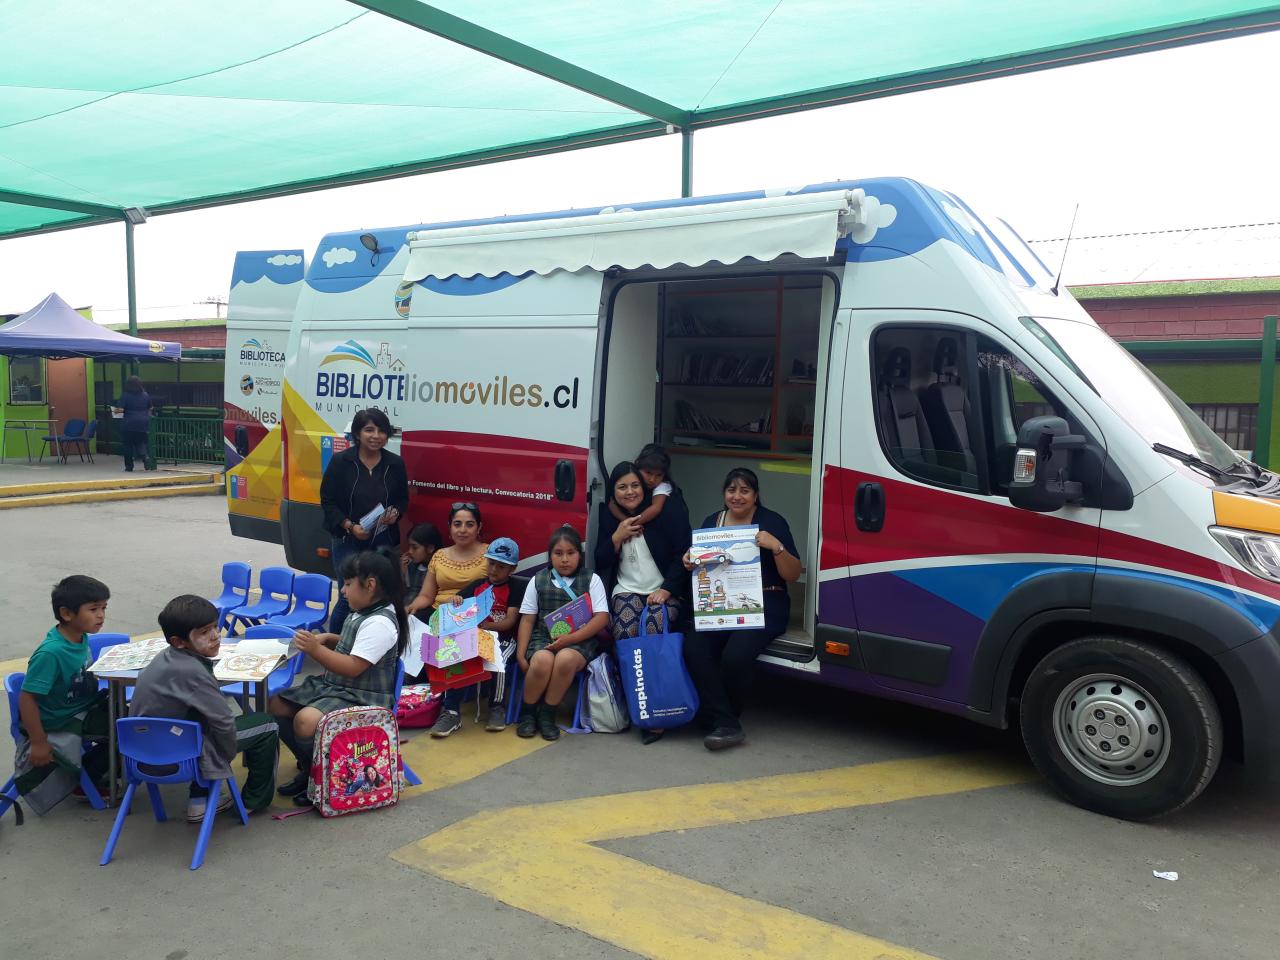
[660, 692]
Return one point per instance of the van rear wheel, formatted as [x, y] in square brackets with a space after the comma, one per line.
[1121, 727]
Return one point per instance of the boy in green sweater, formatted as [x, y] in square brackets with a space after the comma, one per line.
[60, 705]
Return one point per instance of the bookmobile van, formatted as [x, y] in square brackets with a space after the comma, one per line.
[1001, 514]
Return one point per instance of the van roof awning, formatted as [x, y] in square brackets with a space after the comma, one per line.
[806, 225]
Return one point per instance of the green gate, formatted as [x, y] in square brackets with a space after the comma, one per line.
[187, 437]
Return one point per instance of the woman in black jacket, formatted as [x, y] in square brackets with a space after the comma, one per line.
[642, 565]
[357, 481]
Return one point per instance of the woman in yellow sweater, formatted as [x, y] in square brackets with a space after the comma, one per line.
[455, 566]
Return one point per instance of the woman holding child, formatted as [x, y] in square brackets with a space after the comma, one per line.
[361, 479]
[641, 562]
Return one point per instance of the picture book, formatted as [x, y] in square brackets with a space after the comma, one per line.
[451, 618]
[127, 659]
[568, 618]
[249, 660]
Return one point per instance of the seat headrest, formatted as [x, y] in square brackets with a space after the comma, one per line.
[945, 357]
[897, 368]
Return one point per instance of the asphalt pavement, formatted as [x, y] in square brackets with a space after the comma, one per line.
[846, 827]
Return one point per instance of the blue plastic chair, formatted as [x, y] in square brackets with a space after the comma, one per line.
[515, 684]
[410, 777]
[276, 584]
[311, 594]
[170, 752]
[82, 442]
[236, 579]
[73, 431]
[99, 642]
[9, 792]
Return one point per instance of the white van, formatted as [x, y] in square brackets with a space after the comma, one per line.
[999, 511]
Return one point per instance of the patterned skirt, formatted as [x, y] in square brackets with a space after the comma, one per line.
[629, 608]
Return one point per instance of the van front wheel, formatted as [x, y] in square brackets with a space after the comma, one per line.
[1120, 727]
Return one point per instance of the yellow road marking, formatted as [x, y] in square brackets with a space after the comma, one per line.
[554, 871]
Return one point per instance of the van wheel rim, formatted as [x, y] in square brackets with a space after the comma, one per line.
[1111, 730]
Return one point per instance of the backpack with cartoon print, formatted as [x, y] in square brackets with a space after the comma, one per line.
[356, 764]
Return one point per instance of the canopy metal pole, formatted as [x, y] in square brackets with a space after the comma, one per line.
[129, 279]
[686, 163]
[1266, 394]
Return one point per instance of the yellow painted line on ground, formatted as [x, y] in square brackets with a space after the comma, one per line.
[154, 479]
[18, 665]
[103, 496]
[551, 868]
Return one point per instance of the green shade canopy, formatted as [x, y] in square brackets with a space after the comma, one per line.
[176, 106]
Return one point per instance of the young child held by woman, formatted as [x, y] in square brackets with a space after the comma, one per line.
[654, 466]
[359, 665]
[550, 663]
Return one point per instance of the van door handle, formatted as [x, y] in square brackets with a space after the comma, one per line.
[566, 480]
[868, 507]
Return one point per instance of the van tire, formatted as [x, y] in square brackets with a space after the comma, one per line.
[1089, 696]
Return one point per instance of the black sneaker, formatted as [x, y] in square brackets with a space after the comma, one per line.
[449, 721]
[722, 738]
[547, 722]
[528, 726]
[295, 786]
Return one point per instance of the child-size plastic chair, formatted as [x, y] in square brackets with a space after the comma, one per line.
[159, 750]
[9, 792]
[99, 642]
[515, 695]
[73, 431]
[236, 578]
[276, 584]
[311, 593]
[410, 777]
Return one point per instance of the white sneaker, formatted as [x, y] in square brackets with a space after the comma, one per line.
[196, 806]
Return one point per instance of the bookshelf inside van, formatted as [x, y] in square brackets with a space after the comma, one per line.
[739, 363]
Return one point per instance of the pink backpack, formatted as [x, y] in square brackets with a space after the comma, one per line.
[418, 706]
[356, 764]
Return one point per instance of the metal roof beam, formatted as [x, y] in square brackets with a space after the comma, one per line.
[445, 25]
[58, 203]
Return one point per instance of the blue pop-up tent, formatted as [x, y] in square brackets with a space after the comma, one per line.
[53, 329]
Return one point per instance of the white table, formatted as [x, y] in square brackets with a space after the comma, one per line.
[43, 426]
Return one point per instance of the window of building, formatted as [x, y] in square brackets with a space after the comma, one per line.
[26, 380]
[1235, 423]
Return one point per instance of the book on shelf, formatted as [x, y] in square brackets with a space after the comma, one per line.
[703, 368]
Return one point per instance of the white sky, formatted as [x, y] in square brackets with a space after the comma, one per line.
[1170, 139]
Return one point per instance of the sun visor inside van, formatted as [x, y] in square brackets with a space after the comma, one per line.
[806, 225]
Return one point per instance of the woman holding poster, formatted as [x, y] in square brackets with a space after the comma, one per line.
[722, 662]
[641, 564]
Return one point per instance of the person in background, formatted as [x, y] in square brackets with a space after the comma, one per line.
[424, 541]
[134, 407]
[360, 479]
[722, 662]
[456, 565]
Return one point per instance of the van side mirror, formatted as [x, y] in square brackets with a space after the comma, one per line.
[1042, 466]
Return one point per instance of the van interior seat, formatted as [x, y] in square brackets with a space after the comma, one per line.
[945, 401]
[901, 418]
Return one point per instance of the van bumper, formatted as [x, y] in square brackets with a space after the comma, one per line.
[1253, 669]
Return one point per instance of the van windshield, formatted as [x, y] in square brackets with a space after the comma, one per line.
[1131, 390]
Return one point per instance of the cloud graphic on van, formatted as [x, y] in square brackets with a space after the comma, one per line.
[284, 259]
[350, 350]
[873, 216]
[336, 255]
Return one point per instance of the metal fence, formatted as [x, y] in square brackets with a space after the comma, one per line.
[187, 438]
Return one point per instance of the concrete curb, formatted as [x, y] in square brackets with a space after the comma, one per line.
[82, 495]
[158, 478]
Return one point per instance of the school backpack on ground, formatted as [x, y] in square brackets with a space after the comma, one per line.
[418, 706]
[605, 710]
[356, 764]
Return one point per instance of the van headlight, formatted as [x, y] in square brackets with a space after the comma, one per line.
[1259, 553]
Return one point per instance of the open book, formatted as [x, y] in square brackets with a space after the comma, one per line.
[126, 659]
[249, 660]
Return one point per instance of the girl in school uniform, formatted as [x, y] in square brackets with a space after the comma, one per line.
[359, 665]
[550, 663]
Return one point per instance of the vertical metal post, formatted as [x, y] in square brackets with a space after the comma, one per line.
[1266, 393]
[129, 278]
[686, 163]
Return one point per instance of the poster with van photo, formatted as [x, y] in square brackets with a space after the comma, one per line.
[728, 593]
